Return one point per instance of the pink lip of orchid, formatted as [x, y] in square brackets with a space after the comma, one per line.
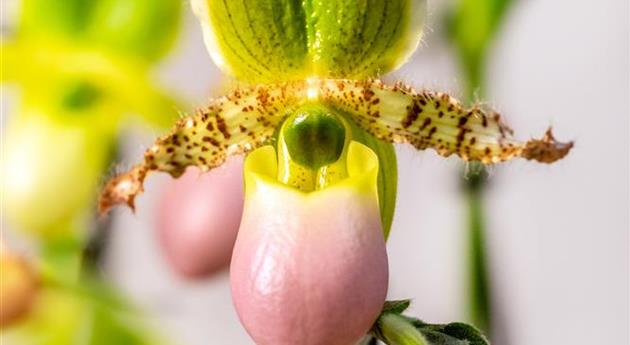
[310, 268]
[198, 219]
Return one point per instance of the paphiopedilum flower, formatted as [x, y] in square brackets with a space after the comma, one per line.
[289, 239]
[309, 264]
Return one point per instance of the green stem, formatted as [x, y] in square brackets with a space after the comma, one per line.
[479, 279]
[61, 257]
[474, 182]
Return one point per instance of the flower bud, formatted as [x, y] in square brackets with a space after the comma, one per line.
[198, 218]
[309, 267]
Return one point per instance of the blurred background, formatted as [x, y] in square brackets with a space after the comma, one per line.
[556, 237]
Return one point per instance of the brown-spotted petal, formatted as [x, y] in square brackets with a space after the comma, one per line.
[427, 119]
[233, 124]
[246, 118]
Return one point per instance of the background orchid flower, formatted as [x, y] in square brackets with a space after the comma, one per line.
[80, 79]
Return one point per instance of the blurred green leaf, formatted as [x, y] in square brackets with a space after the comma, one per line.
[88, 313]
[397, 307]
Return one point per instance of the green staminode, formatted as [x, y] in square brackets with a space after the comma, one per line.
[312, 148]
[314, 137]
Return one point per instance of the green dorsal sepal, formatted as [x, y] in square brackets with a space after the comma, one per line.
[311, 148]
[279, 40]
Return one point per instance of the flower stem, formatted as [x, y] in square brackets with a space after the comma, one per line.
[479, 294]
[474, 185]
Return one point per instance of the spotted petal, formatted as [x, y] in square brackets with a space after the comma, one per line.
[248, 117]
[428, 119]
[234, 124]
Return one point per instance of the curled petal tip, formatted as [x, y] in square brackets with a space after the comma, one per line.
[235, 124]
[122, 189]
[547, 149]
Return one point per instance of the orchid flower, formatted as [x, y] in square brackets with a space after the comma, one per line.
[309, 264]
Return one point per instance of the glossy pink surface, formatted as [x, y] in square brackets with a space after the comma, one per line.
[198, 219]
[309, 270]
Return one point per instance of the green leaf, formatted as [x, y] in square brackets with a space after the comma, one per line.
[397, 306]
[272, 40]
[392, 328]
[395, 329]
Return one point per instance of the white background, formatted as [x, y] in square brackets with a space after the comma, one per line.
[558, 235]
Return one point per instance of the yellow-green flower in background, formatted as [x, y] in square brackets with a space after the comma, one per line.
[83, 67]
